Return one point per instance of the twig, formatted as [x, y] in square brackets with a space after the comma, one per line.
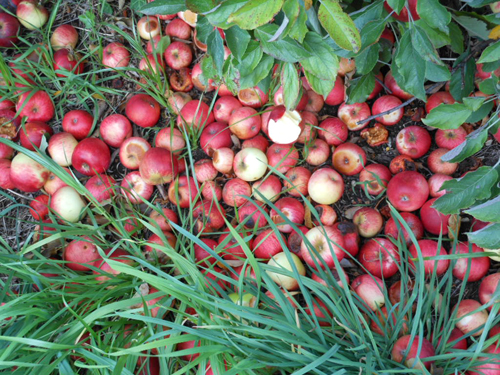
[387, 89]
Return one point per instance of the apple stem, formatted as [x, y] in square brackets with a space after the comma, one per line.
[163, 193]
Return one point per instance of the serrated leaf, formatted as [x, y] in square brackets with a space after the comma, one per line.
[481, 113]
[203, 29]
[255, 13]
[434, 14]
[457, 38]
[323, 63]
[487, 237]
[208, 70]
[487, 211]
[490, 53]
[370, 34]
[339, 25]
[251, 58]
[371, 12]
[291, 85]
[473, 143]
[360, 89]
[491, 66]
[473, 103]
[462, 79]
[200, 6]
[423, 46]
[220, 15]
[299, 30]
[475, 27]
[164, 7]
[436, 73]
[320, 86]
[412, 74]
[285, 49]
[258, 73]
[438, 38]
[215, 48]
[463, 192]
[447, 116]
[488, 86]
[366, 60]
[237, 41]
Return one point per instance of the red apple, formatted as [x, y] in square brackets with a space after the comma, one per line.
[414, 355]
[32, 15]
[135, 188]
[379, 77]
[32, 134]
[386, 103]
[434, 221]
[79, 123]
[468, 319]
[487, 288]
[6, 152]
[209, 217]
[143, 110]
[91, 156]
[251, 216]
[202, 256]
[368, 221]
[413, 141]
[65, 60]
[132, 151]
[429, 248]
[315, 102]
[380, 257]
[183, 191]
[404, 15]
[9, 29]
[204, 170]
[317, 152]
[101, 187]
[177, 28]
[54, 183]
[309, 132]
[489, 365]
[26, 174]
[392, 85]
[154, 64]
[81, 253]
[245, 122]
[333, 130]
[252, 97]
[414, 223]
[322, 244]
[223, 160]
[178, 55]
[164, 217]
[177, 100]
[195, 114]
[170, 139]
[325, 186]
[158, 166]
[105, 269]
[267, 244]
[287, 209]
[39, 207]
[375, 177]
[437, 165]
[351, 236]
[115, 55]
[214, 136]
[436, 182]
[370, 289]
[235, 192]
[114, 129]
[351, 114]
[438, 98]
[296, 182]
[211, 191]
[349, 159]
[259, 141]
[477, 267]
[268, 188]
[5, 180]
[450, 138]
[64, 36]
[282, 157]
[224, 106]
[408, 191]
[337, 95]
[35, 106]
[232, 248]
[346, 66]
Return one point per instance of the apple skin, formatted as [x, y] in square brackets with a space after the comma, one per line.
[351, 114]
[467, 322]
[148, 27]
[434, 221]
[33, 133]
[438, 98]
[143, 110]
[209, 217]
[437, 165]
[64, 59]
[368, 221]
[6, 152]
[310, 123]
[269, 187]
[378, 86]
[322, 239]
[183, 191]
[158, 166]
[39, 207]
[326, 214]
[349, 159]
[5, 180]
[38, 108]
[253, 97]
[404, 15]
[224, 106]
[252, 216]
[54, 183]
[134, 187]
[333, 130]
[429, 248]
[202, 256]
[114, 129]
[420, 347]
[170, 139]
[232, 249]
[490, 365]
[413, 141]
[61, 147]
[380, 257]
[384, 323]
[477, 267]
[179, 29]
[280, 261]
[115, 55]
[163, 218]
[370, 289]
[250, 164]
[386, 103]
[325, 186]
[91, 156]
[414, 223]
[245, 122]
[282, 157]
[296, 182]
[318, 152]
[104, 268]
[488, 287]
[26, 174]
[267, 244]
[259, 141]
[178, 55]
[392, 85]
[371, 175]
[337, 95]
[351, 236]
[223, 159]
[204, 170]
[64, 36]
[450, 138]
[235, 192]
[68, 204]
[101, 187]
[78, 123]
[132, 151]
[195, 114]
[315, 102]
[436, 182]
[31, 15]
[408, 191]
[214, 136]
[292, 209]
[9, 29]
[80, 252]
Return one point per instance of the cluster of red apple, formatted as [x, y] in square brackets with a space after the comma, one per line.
[252, 146]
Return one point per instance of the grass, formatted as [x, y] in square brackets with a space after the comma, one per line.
[65, 322]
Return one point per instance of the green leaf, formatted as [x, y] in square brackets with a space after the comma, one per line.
[412, 74]
[462, 79]
[473, 103]
[370, 33]
[203, 29]
[323, 63]
[436, 73]
[200, 6]
[299, 29]
[237, 41]
[136, 5]
[490, 53]
[447, 116]
[164, 7]
[255, 13]
[423, 46]
[475, 27]
[372, 12]
[438, 38]
[463, 192]
[215, 48]
[251, 58]
[291, 85]
[457, 38]
[473, 143]
[487, 211]
[434, 14]
[320, 86]
[88, 19]
[259, 73]
[208, 69]
[360, 88]
[487, 237]
[397, 5]
[481, 113]
[339, 25]
[491, 66]
[220, 15]
[285, 49]
[265, 84]
[488, 86]
[366, 60]
[291, 11]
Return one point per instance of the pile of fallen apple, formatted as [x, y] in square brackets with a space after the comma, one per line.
[254, 147]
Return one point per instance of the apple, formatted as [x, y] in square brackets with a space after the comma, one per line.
[6, 152]
[414, 355]
[326, 214]
[201, 255]
[392, 85]
[388, 35]
[259, 141]
[61, 147]
[143, 110]
[35, 106]
[170, 139]
[413, 141]
[214, 136]
[115, 55]
[408, 191]
[437, 165]
[489, 365]
[383, 323]
[182, 191]
[434, 221]
[177, 100]
[250, 164]
[32, 15]
[235, 192]
[287, 209]
[450, 138]
[368, 221]
[232, 248]
[211, 190]
[335, 275]
[351, 236]
[39, 207]
[380, 257]
[267, 244]
[325, 186]
[337, 95]
[351, 114]
[195, 114]
[181, 80]
[251, 216]
[10, 123]
[282, 157]
[5, 179]
[429, 248]
[378, 79]
[164, 217]
[26, 174]
[224, 106]
[154, 64]
[9, 30]
[177, 28]
[333, 130]
[370, 290]
[104, 269]
[32, 134]
[346, 66]
[65, 60]
[477, 267]
[190, 18]
[199, 80]
[115, 129]
[135, 188]
[54, 183]
[204, 170]
[309, 132]
[158, 166]
[440, 97]
[413, 222]
[375, 178]
[408, 11]
[252, 97]
[402, 163]
[436, 182]
[64, 36]
[245, 122]
[91, 156]
[315, 102]
[322, 244]
[178, 55]
[317, 152]
[79, 123]
[395, 293]
[296, 182]
[282, 262]
[132, 151]
[148, 27]
[268, 188]
[209, 217]
[387, 103]
[223, 159]
[349, 159]
[468, 318]
[488, 287]
[68, 204]
[101, 187]
[80, 253]
[284, 126]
